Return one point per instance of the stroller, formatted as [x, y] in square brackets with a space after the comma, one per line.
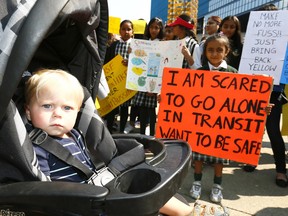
[71, 35]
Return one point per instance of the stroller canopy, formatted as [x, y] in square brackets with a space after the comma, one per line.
[66, 34]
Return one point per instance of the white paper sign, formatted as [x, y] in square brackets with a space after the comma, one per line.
[265, 44]
[147, 61]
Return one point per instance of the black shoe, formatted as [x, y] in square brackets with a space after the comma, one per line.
[281, 180]
[281, 183]
[249, 168]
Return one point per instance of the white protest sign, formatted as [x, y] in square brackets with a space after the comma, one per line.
[265, 44]
[147, 61]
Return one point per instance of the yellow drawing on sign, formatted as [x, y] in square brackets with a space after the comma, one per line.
[137, 70]
[132, 85]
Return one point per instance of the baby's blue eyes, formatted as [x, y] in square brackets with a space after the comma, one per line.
[49, 106]
[67, 108]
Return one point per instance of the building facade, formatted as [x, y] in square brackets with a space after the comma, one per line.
[239, 8]
[168, 10]
[200, 10]
[159, 8]
[177, 7]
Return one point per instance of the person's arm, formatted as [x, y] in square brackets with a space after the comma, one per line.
[269, 108]
[197, 57]
[187, 55]
[110, 52]
[176, 207]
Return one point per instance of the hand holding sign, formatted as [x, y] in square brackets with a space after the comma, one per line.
[219, 114]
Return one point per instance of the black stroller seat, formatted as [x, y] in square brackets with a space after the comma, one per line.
[139, 189]
[142, 186]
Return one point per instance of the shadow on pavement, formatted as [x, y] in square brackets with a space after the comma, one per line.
[271, 212]
[241, 188]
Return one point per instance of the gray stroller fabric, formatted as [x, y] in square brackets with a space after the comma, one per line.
[117, 154]
[18, 161]
[55, 34]
[66, 34]
[34, 34]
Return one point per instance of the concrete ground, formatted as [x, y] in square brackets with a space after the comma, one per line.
[245, 194]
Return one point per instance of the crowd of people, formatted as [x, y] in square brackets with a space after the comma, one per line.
[220, 49]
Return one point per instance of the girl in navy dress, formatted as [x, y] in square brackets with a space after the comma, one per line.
[215, 50]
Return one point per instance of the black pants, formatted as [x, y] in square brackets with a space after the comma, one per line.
[144, 114]
[123, 117]
[134, 113]
[110, 118]
[274, 133]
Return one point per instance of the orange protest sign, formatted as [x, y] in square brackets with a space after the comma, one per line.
[217, 113]
[115, 74]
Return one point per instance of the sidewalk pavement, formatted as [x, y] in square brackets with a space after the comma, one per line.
[245, 194]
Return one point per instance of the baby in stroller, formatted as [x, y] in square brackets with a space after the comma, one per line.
[72, 35]
[53, 99]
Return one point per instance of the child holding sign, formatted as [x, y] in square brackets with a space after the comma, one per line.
[147, 101]
[183, 29]
[120, 47]
[215, 49]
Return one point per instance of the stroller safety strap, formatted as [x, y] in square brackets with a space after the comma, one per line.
[41, 138]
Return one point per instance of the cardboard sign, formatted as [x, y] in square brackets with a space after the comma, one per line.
[115, 73]
[147, 60]
[139, 26]
[284, 129]
[217, 113]
[265, 44]
[114, 25]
